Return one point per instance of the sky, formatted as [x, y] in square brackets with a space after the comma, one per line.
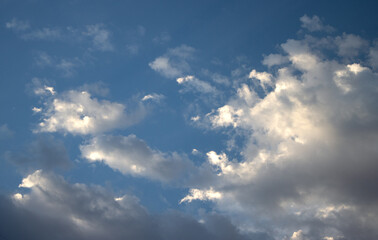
[250, 120]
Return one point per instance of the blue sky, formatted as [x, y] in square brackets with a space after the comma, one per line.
[188, 120]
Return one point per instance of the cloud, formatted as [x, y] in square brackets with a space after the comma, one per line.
[133, 156]
[46, 152]
[97, 34]
[55, 208]
[162, 38]
[314, 24]
[310, 144]
[65, 66]
[43, 34]
[5, 132]
[197, 194]
[100, 37]
[192, 83]
[77, 112]
[153, 97]
[40, 87]
[350, 45]
[274, 59]
[174, 63]
[17, 25]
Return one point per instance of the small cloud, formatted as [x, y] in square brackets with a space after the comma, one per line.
[314, 24]
[164, 37]
[141, 30]
[153, 97]
[195, 152]
[5, 132]
[193, 83]
[36, 110]
[133, 49]
[174, 63]
[97, 88]
[203, 195]
[39, 87]
[17, 25]
[43, 34]
[274, 59]
[79, 113]
[132, 156]
[195, 118]
[100, 37]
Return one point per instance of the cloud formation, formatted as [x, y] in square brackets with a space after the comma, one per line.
[133, 156]
[77, 112]
[191, 83]
[310, 155]
[55, 209]
[174, 63]
[314, 24]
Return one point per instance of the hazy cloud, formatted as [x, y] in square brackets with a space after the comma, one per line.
[314, 24]
[131, 155]
[174, 63]
[46, 152]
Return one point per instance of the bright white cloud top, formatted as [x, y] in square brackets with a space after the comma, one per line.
[79, 113]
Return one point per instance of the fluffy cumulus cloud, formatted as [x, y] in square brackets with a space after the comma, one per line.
[174, 63]
[77, 211]
[77, 112]
[133, 156]
[308, 166]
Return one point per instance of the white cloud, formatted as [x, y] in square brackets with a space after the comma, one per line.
[298, 235]
[203, 195]
[40, 88]
[264, 77]
[174, 63]
[79, 113]
[131, 155]
[153, 97]
[274, 59]
[164, 67]
[307, 140]
[314, 24]
[192, 83]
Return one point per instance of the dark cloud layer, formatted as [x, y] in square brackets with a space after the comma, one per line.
[55, 209]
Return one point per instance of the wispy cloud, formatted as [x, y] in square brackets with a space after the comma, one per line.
[100, 37]
[314, 24]
[174, 63]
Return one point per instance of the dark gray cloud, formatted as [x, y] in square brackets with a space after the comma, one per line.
[45, 152]
[55, 209]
